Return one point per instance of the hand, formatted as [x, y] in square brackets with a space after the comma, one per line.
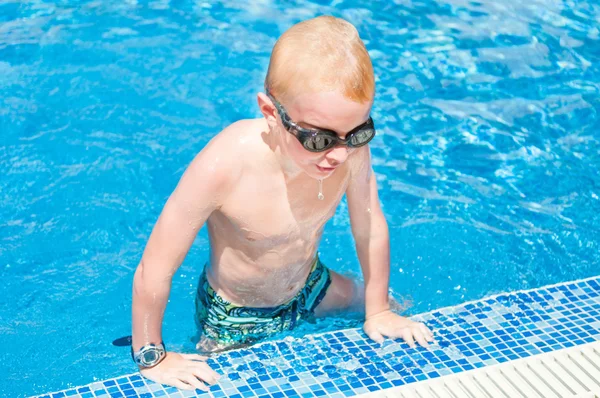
[388, 324]
[184, 371]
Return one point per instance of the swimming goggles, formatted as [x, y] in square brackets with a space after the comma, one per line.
[319, 140]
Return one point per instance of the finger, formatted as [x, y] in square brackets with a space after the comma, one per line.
[374, 335]
[397, 332]
[426, 332]
[418, 335]
[193, 381]
[408, 337]
[179, 384]
[194, 357]
[205, 373]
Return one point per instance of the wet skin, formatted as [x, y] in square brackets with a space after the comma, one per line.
[256, 188]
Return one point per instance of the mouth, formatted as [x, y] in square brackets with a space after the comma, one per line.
[325, 169]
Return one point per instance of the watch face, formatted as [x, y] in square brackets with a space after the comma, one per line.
[150, 356]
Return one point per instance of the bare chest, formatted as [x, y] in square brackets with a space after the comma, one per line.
[272, 213]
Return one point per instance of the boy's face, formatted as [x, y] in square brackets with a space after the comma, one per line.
[327, 110]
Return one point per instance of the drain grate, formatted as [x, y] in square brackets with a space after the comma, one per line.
[571, 372]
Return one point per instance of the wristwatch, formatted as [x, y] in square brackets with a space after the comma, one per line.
[149, 355]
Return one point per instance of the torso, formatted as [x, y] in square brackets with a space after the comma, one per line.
[265, 236]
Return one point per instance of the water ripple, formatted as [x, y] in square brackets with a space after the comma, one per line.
[487, 154]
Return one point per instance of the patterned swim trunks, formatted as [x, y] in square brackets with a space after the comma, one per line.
[224, 325]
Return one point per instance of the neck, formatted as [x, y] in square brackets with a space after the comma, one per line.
[289, 169]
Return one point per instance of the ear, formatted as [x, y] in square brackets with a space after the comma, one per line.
[267, 108]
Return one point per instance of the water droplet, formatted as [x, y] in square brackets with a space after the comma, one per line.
[320, 196]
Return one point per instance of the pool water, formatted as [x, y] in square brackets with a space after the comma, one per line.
[487, 155]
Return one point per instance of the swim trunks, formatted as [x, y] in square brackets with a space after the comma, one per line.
[224, 325]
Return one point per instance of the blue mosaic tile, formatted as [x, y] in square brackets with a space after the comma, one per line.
[345, 363]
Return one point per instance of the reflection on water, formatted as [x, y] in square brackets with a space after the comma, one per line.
[487, 154]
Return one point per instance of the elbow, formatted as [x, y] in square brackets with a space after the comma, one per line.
[146, 280]
[138, 280]
[376, 230]
[380, 228]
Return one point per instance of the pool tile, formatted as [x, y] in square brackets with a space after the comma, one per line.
[345, 363]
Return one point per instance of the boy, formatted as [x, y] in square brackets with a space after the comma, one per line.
[266, 188]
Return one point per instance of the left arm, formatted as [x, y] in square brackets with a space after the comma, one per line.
[371, 236]
[370, 232]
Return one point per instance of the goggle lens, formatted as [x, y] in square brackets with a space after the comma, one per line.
[322, 141]
[319, 143]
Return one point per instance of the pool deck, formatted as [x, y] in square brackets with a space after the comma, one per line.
[472, 335]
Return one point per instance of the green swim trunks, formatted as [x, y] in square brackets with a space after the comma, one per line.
[224, 325]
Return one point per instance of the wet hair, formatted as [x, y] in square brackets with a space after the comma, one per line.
[318, 55]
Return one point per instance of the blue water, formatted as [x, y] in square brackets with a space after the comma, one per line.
[487, 155]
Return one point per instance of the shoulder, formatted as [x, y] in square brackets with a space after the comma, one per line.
[222, 161]
[235, 144]
[239, 135]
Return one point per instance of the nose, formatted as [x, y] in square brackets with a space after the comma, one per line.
[337, 155]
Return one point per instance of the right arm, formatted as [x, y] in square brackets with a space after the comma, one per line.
[201, 190]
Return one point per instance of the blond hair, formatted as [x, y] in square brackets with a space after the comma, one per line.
[321, 54]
